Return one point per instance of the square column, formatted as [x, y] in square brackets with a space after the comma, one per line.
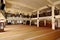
[53, 18]
[37, 22]
[37, 18]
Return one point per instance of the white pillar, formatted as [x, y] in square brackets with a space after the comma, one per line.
[37, 23]
[44, 22]
[37, 18]
[4, 1]
[53, 20]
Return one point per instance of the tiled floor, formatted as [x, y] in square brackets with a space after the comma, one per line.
[26, 32]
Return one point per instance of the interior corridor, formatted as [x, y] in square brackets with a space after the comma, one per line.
[29, 19]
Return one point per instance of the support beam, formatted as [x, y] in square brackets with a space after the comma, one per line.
[50, 2]
[37, 18]
[53, 19]
[4, 1]
[56, 3]
[37, 23]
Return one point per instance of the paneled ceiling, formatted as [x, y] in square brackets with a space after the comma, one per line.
[28, 5]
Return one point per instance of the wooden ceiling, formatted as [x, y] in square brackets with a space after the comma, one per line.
[28, 6]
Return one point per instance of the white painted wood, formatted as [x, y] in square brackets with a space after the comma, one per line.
[37, 23]
[37, 18]
[53, 20]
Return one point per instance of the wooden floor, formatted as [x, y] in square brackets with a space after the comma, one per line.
[26, 32]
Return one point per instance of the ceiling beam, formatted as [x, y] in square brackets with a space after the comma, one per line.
[44, 6]
[53, 3]
[50, 2]
[40, 8]
[17, 3]
[15, 10]
[57, 2]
